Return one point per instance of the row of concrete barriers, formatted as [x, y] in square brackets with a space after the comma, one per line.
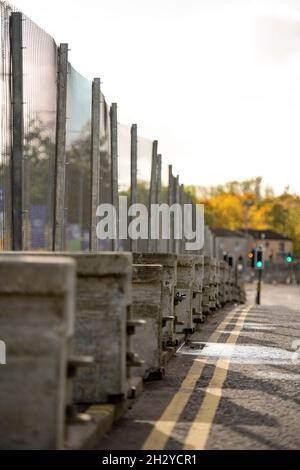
[83, 331]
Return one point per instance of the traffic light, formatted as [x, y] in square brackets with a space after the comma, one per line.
[289, 258]
[259, 259]
[251, 256]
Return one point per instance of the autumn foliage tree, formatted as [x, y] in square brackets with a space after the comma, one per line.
[245, 204]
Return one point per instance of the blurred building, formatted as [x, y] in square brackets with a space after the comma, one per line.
[234, 242]
[275, 246]
[239, 243]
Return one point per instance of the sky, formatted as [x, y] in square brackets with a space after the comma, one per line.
[216, 82]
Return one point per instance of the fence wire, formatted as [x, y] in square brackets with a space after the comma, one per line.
[39, 110]
[78, 161]
[40, 72]
[5, 129]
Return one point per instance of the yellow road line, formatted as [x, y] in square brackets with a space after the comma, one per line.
[200, 429]
[163, 427]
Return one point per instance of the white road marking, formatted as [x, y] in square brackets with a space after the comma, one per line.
[242, 354]
[277, 376]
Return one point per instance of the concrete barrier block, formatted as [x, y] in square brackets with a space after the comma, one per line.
[169, 273]
[147, 305]
[207, 271]
[230, 283]
[103, 300]
[218, 286]
[185, 285]
[198, 316]
[213, 285]
[223, 275]
[36, 323]
[206, 286]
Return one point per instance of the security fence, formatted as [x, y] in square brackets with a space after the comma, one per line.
[63, 152]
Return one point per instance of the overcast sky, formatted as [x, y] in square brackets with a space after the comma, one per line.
[216, 82]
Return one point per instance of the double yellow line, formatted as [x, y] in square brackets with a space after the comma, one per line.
[200, 428]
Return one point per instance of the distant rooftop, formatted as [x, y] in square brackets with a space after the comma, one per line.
[265, 234]
[242, 233]
[224, 232]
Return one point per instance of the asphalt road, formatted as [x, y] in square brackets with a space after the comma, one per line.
[236, 386]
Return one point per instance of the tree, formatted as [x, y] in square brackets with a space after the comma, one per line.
[241, 204]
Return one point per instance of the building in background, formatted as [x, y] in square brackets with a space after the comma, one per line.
[276, 246]
[234, 242]
[239, 243]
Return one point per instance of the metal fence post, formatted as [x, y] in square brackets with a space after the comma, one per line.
[114, 171]
[133, 191]
[170, 202]
[182, 201]
[152, 194]
[95, 163]
[60, 151]
[158, 180]
[188, 200]
[17, 130]
[158, 244]
[176, 201]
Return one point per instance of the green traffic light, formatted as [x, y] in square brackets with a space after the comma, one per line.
[259, 264]
[289, 259]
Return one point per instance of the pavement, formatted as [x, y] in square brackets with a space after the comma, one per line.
[235, 385]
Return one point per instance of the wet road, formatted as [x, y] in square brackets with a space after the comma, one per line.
[236, 386]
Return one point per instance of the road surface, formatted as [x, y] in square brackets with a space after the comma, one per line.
[236, 386]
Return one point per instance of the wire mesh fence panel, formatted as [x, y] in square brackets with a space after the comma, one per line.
[144, 161]
[124, 177]
[78, 162]
[164, 199]
[39, 88]
[5, 130]
[164, 196]
[40, 71]
[105, 187]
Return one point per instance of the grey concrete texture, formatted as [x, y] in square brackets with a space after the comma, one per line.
[185, 271]
[198, 289]
[169, 267]
[100, 332]
[103, 295]
[199, 272]
[36, 323]
[185, 285]
[105, 286]
[147, 305]
[164, 259]
[184, 311]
